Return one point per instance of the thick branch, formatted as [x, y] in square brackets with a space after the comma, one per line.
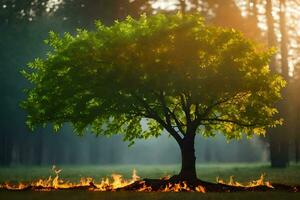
[169, 114]
[186, 104]
[153, 115]
[179, 124]
[165, 108]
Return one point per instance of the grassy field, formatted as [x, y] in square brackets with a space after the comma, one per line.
[241, 172]
[144, 196]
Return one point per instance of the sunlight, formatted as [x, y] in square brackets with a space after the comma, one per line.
[53, 5]
[292, 12]
[164, 4]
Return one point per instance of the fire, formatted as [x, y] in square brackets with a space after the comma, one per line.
[200, 189]
[177, 187]
[117, 182]
[259, 182]
[108, 184]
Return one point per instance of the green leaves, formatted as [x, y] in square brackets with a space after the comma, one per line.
[173, 71]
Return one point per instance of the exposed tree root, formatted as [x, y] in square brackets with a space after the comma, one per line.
[175, 184]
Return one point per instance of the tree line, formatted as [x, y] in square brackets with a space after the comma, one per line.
[24, 20]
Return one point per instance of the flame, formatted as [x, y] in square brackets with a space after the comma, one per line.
[144, 188]
[117, 181]
[108, 184]
[200, 189]
[259, 182]
[177, 187]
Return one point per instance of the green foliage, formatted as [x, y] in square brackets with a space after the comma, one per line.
[171, 70]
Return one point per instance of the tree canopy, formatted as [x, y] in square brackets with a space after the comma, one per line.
[172, 72]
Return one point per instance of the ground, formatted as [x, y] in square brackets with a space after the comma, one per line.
[242, 172]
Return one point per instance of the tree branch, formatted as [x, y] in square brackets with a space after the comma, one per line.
[169, 114]
[225, 100]
[153, 115]
[165, 108]
[186, 104]
[230, 121]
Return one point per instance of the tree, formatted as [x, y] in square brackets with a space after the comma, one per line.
[279, 137]
[164, 72]
[283, 106]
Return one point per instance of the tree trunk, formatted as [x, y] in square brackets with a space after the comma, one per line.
[271, 33]
[277, 137]
[182, 5]
[297, 150]
[277, 151]
[284, 42]
[188, 163]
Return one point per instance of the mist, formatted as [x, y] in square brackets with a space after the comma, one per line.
[64, 148]
[22, 41]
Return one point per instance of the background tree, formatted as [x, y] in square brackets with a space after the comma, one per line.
[134, 78]
[277, 141]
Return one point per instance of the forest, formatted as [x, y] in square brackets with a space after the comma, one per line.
[152, 99]
[26, 24]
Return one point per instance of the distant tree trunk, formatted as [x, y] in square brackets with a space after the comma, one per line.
[297, 137]
[2, 148]
[273, 134]
[285, 131]
[254, 12]
[284, 42]
[277, 151]
[297, 150]
[182, 5]
[252, 8]
[7, 149]
[271, 32]
[278, 139]
[188, 162]
[207, 153]
[118, 8]
[196, 5]
[39, 148]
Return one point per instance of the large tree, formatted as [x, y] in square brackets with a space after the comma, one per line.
[164, 72]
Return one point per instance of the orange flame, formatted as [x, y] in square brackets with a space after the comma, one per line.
[116, 181]
[259, 182]
[177, 187]
[50, 183]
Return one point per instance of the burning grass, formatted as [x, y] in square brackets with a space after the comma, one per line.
[107, 184]
[166, 184]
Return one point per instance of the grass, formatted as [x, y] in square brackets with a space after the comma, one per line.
[80, 195]
[242, 172]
